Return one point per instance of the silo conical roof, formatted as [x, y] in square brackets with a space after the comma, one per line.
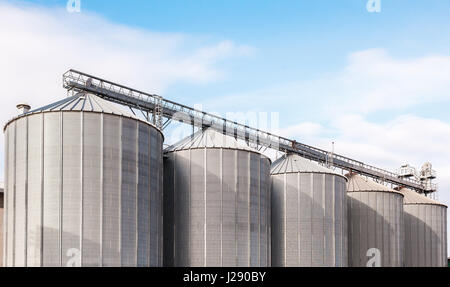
[412, 197]
[209, 138]
[292, 163]
[357, 183]
[83, 102]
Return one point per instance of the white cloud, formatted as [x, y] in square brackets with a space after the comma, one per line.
[374, 81]
[305, 130]
[38, 44]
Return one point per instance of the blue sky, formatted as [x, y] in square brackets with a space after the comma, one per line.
[313, 62]
[377, 84]
[293, 40]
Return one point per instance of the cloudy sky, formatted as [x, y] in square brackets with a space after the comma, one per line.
[377, 84]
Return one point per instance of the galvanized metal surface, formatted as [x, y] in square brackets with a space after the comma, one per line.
[216, 207]
[309, 214]
[83, 188]
[375, 215]
[425, 231]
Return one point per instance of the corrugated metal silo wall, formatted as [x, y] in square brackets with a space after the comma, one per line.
[425, 235]
[375, 221]
[309, 220]
[78, 185]
[216, 208]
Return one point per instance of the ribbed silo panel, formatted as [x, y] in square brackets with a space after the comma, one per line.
[169, 212]
[291, 218]
[20, 194]
[143, 202]
[419, 236]
[264, 200]
[338, 222]
[346, 231]
[444, 235]
[373, 224]
[415, 234]
[254, 206]
[408, 247]
[160, 190]
[387, 231]
[128, 195]
[35, 172]
[197, 208]
[365, 231]
[10, 193]
[433, 245]
[365, 228]
[213, 218]
[92, 189]
[159, 163]
[437, 248]
[72, 169]
[182, 208]
[229, 174]
[428, 235]
[435, 225]
[318, 221]
[355, 229]
[329, 233]
[278, 246]
[111, 195]
[243, 209]
[401, 222]
[380, 233]
[155, 199]
[4, 208]
[52, 190]
[395, 222]
[305, 221]
[425, 221]
[440, 250]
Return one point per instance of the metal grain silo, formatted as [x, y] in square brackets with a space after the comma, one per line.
[83, 186]
[309, 214]
[216, 203]
[425, 231]
[375, 214]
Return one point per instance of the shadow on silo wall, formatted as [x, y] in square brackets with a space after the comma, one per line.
[230, 239]
[426, 239]
[369, 229]
[307, 230]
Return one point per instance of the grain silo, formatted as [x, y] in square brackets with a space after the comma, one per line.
[375, 214]
[309, 214]
[83, 186]
[216, 203]
[425, 231]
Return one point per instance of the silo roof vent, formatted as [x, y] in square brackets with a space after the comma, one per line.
[23, 108]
